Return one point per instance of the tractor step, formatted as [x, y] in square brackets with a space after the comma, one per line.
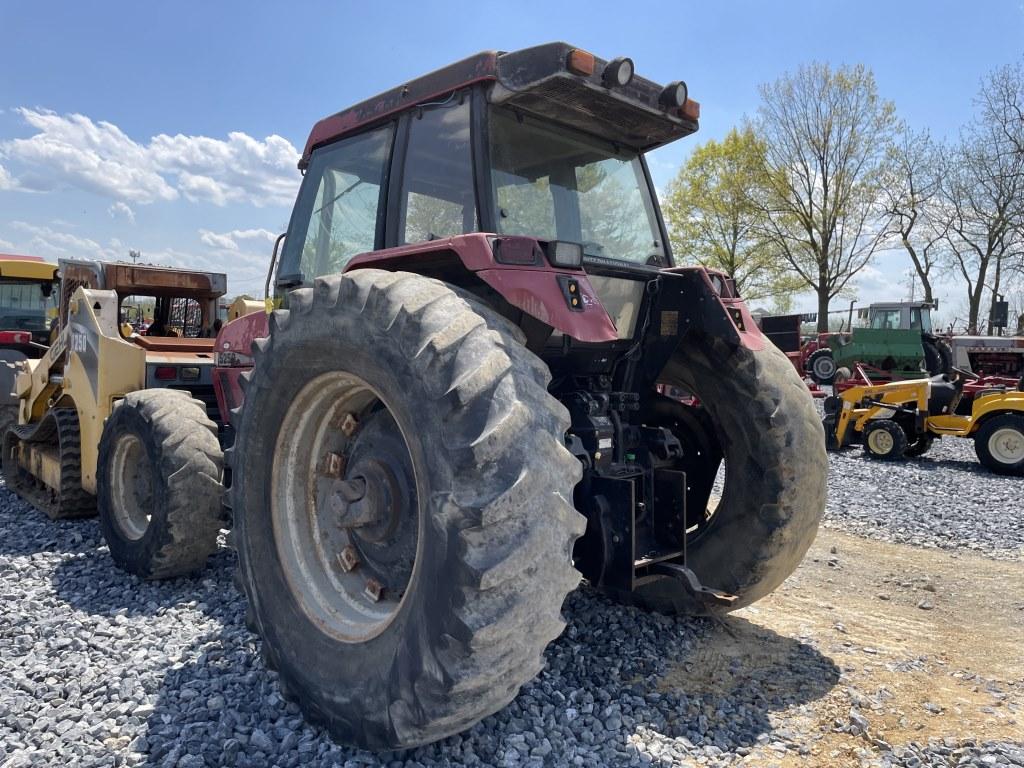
[692, 584]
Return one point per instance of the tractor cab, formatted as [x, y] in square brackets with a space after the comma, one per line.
[904, 316]
[542, 149]
[170, 313]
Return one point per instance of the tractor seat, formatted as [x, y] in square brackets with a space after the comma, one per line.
[943, 395]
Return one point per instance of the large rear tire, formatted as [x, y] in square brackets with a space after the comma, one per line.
[159, 489]
[938, 357]
[775, 474]
[402, 505]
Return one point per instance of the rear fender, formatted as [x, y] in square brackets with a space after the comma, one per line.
[695, 300]
[535, 289]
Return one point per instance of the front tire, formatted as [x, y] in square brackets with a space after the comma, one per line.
[468, 543]
[999, 443]
[774, 492]
[159, 487]
[884, 440]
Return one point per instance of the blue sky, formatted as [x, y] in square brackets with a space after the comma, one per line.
[171, 128]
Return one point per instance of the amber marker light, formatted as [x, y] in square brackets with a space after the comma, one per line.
[690, 110]
[580, 62]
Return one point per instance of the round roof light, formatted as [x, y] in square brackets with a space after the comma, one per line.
[673, 95]
[618, 72]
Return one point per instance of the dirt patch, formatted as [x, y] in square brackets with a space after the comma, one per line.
[930, 645]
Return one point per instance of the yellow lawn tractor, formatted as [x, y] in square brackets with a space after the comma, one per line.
[903, 418]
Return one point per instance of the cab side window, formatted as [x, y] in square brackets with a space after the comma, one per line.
[340, 207]
[438, 199]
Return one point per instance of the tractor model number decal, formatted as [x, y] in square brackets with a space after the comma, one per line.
[79, 343]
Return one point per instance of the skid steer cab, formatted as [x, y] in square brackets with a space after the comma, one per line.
[126, 423]
[901, 419]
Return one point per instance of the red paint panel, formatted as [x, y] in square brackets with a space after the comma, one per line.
[473, 250]
[537, 292]
[238, 335]
[228, 390]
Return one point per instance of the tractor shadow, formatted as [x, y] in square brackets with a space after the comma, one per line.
[92, 583]
[620, 686]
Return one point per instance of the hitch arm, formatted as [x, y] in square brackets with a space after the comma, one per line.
[692, 584]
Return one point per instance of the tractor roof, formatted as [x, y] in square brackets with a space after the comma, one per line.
[546, 80]
[144, 280]
[902, 304]
[26, 267]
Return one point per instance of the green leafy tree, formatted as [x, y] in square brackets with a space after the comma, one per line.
[715, 209]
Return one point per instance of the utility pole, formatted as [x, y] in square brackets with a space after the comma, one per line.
[134, 256]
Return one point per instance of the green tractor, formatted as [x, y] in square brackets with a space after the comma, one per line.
[898, 342]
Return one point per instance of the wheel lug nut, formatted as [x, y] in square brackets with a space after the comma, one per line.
[348, 558]
[349, 424]
[334, 464]
[374, 589]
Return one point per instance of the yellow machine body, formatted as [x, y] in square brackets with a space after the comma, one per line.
[88, 368]
[862, 404]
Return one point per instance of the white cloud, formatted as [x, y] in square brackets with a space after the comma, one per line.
[74, 151]
[51, 243]
[229, 240]
[215, 240]
[121, 209]
[7, 245]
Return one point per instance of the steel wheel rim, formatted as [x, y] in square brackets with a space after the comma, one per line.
[1007, 445]
[309, 541]
[881, 442]
[825, 366]
[132, 489]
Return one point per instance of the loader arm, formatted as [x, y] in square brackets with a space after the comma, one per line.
[88, 368]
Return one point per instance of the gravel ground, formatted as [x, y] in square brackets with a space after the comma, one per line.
[99, 668]
[945, 499]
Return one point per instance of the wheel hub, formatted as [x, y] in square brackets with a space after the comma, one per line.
[345, 507]
[132, 491]
[881, 441]
[1007, 445]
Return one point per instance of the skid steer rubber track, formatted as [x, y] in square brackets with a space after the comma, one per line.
[58, 431]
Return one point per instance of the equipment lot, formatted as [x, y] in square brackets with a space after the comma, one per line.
[875, 652]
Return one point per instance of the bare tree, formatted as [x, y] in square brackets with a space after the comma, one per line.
[983, 194]
[909, 198]
[1002, 104]
[827, 135]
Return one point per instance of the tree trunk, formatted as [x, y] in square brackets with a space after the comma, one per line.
[974, 305]
[823, 299]
[920, 269]
[995, 295]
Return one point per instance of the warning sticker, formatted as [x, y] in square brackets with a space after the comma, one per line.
[669, 323]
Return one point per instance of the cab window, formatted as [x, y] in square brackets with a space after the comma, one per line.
[438, 199]
[886, 319]
[338, 212]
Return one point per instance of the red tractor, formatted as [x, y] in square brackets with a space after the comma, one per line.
[455, 413]
[457, 410]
